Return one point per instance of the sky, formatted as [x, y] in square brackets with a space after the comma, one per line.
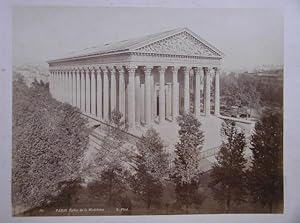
[248, 37]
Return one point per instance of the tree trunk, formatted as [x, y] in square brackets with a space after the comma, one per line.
[148, 201]
[228, 201]
[110, 189]
[186, 208]
[188, 199]
[270, 207]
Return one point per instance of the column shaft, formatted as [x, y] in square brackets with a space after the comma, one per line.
[142, 103]
[175, 98]
[137, 100]
[162, 104]
[88, 92]
[217, 92]
[147, 100]
[207, 92]
[62, 85]
[50, 82]
[197, 92]
[122, 92]
[82, 89]
[113, 90]
[66, 87]
[74, 86]
[99, 94]
[131, 97]
[70, 88]
[153, 98]
[105, 95]
[59, 81]
[93, 92]
[77, 75]
[186, 89]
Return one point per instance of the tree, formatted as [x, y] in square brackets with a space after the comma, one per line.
[151, 166]
[240, 90]
[265, 177]
[49, 141]
[248, 93]
[111, 160]
[110, 187]
[228, 173]
[187, 150]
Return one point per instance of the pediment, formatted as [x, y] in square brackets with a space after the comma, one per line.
[182, 43]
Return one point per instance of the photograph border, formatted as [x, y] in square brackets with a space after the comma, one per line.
[291, 106]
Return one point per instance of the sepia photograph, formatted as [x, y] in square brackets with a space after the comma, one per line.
[146, 111]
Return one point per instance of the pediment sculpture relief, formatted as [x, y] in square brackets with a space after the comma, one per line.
[181, 44]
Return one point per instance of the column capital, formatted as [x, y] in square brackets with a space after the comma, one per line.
[216, 69]
[120, 69]
[186, 69]
[90, 68]
[147, 69]
[174, 68]
[162, 68]
[131, 70]
[94, 70]
[104, 69]
[207, 69]
[198, 70]
[84, 69]
[110, 69]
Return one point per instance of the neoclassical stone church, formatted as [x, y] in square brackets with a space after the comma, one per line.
[149, 79]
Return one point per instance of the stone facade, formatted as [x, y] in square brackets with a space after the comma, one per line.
[144, 80]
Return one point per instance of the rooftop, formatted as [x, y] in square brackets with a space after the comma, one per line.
[129, 45]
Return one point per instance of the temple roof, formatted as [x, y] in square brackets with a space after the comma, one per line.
[148, 44]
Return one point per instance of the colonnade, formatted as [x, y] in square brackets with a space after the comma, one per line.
[98, 90]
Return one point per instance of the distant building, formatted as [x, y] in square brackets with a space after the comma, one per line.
[30, 73]
[267, 77]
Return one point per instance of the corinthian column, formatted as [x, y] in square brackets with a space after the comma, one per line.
[147, 100]
[175, 107]
[105, 94]
[51, 82]
[66, 87]
[131, 97]
[99, 93]
[61, 86]
[77, 76]
[162, 104]
[73, 88]
[217, 91]
[70, 87]
[82, 89]
[68, 84]
[58, 95]
[197, 71]
[122, 92]
[137, 99]
[186, 71]
[88, 91]
[113, 89]
[93, 91]
[207, 91]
